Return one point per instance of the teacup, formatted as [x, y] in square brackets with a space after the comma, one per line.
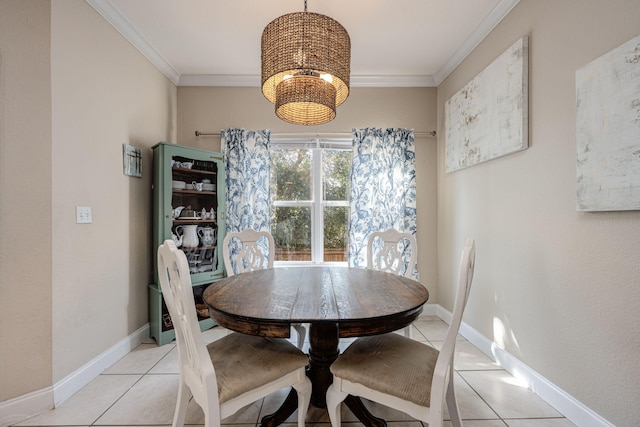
[197, 186]
[187, 165]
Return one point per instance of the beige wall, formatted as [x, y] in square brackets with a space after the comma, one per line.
[25, 197]
[105, 93]
[72, 91]
[209, 109]
[555, 287]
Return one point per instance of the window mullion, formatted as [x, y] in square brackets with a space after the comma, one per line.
[317, 234]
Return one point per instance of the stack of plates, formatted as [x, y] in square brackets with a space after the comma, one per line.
[209, 187]
[178, 185]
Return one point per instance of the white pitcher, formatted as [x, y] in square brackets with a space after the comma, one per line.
[189, 235]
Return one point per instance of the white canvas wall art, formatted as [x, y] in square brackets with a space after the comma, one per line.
[608, 131]
[488, 117]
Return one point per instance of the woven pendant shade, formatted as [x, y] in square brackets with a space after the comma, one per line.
[306, 100]
[305, 67]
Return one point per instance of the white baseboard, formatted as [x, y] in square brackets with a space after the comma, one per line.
[28, 405]
[73, 382]
[429, 310]
[567, 405]
[22, 407]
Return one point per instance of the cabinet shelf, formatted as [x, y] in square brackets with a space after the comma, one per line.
[197, 248]
[195, 192]
[193, 221]
[194, 171]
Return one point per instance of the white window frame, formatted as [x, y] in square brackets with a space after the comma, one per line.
[317, 208]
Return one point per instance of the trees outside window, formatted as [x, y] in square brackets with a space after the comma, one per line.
[310, 201]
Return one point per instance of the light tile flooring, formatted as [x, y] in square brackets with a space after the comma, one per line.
[141, 389]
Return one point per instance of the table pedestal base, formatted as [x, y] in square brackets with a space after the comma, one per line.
[291, 404]
[362, 413]
[288, 407]
[323, 351]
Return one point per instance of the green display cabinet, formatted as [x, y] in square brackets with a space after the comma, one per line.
[188, 207]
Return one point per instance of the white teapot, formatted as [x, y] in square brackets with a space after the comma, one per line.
[175, 213]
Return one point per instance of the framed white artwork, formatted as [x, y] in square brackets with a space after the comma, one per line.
[608, 131]
[488, 117]
[131, 160]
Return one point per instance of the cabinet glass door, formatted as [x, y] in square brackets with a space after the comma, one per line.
[194, 213]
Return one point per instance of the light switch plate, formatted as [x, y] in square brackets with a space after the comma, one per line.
[83, 215]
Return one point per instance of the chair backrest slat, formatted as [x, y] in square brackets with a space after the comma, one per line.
[248, 250]
[387, 251]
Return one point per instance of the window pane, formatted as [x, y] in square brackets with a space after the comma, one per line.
[291, 174]
[336, 167]
[335, 233]
[291, 230]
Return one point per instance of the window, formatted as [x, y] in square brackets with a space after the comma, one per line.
[310, 200]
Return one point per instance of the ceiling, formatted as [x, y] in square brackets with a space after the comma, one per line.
[217, 42]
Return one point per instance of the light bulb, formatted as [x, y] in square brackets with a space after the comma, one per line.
[327, 77]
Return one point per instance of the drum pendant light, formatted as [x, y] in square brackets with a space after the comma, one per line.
[305, 67]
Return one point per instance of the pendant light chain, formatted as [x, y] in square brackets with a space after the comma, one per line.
[305, 5]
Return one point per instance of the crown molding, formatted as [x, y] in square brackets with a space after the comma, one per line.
[254, 80]
[393, 81]
[477, 35]
[124, 27]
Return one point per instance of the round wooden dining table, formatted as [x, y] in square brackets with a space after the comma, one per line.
[337, 302]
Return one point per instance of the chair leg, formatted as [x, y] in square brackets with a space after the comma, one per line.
[407, 332]
[184, 394]
[210, 419]
[304, 397]
[334, 398]
[302, 333]
[452, 404]
[211, 408]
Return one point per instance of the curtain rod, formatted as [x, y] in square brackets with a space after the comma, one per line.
[315, 135]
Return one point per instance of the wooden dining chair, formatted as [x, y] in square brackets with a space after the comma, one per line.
[250, 250]
[401, 373]
[231, 372]
[386, 252]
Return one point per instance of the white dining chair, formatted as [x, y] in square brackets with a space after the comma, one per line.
[386, 251]
[401, 373]
[231, 372]
[249, 250]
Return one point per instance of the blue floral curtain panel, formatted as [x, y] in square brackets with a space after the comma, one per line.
[383, 187]
[247, 168]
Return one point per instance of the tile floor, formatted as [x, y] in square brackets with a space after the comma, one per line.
[141, 389]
